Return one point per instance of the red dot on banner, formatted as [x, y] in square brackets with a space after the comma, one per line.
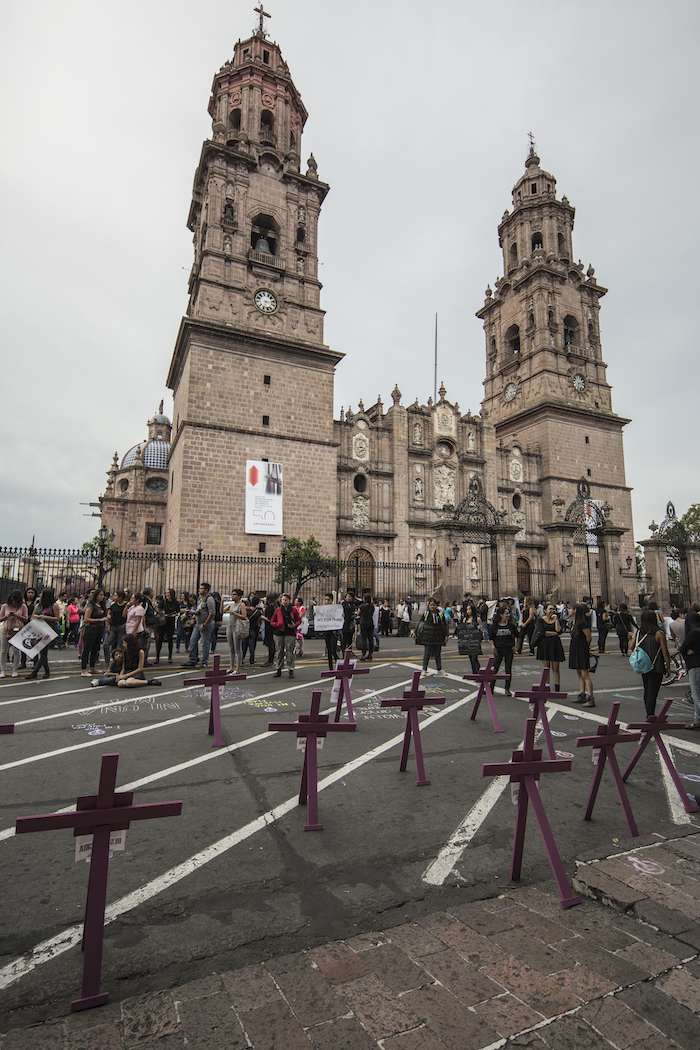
[253, 476]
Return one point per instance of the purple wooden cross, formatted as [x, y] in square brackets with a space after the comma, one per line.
[606, 739]
[213, 678]
[652, 730]
[98, 815]
[311, 727]
[525, 768]
[413, 701]
[343, 673]
[538, 696]
[486, 677]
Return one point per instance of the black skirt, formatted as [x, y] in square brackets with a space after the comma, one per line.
[551, 649]
[579, 653]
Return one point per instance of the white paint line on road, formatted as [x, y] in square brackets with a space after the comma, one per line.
[80, 689]
[678, 814]
[62, 942]
[439, 869]
[106, 741]
[24, 680]
[162, 774]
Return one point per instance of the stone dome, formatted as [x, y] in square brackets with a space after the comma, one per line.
[155, 454]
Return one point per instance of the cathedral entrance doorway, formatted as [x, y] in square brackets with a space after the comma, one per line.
[675, 538]
[523, 573]
[587, 556]
[475, 521]
[359, 571]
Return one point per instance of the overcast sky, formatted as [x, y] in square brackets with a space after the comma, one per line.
[418, 120]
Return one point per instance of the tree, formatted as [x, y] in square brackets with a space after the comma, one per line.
[301, 562]
[92, 549]
[691, 521]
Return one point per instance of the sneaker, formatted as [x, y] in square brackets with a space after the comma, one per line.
[588, 702]
[85, 674]
[507, 692]
[580, 699]
[2, 674]
[278, 674]
[15, 674]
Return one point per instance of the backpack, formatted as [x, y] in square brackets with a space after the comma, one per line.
[640, 661]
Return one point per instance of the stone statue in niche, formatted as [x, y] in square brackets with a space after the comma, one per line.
[360, 512]
[417, 434]
[474, 573]
[360, 446]
[229, 212]
[418, 489]
[227, 245]
[444, 486]
[471, 441]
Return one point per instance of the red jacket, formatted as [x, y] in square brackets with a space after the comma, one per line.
[277, 621]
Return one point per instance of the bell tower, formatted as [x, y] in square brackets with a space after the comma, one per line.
[251, 375]
[546, 386]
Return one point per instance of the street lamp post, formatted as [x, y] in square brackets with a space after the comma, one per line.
[102, 537]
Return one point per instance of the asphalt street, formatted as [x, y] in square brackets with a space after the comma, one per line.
[236, 879]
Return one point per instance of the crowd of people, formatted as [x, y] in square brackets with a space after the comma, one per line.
[131, 631]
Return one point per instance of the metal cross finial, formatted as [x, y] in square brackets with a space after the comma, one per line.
[262, 14]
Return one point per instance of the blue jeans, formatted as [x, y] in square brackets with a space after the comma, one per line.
[205, 633]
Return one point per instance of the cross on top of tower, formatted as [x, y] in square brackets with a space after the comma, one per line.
[262, 14]
[531, 140]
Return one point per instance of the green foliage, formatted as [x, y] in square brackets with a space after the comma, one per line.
[691, 521]
[302, 560]
[91, 549]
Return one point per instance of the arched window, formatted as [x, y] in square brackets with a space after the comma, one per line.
[360, 571]
[235, 120]
[292, 141]
[551, 317]
[301, 234]
[591, 332]
[264, 234]
[571, 331]
[513, 255]
[267, 126]
[531, 319]
[561, 246]
[492, 344]
[513, 339]
[536, 241]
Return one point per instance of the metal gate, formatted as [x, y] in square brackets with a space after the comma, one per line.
[587, 556]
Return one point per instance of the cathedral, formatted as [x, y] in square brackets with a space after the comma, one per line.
[526, 495]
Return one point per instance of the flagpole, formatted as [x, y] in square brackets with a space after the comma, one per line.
[435, 360]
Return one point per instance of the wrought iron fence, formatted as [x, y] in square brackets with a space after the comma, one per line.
[74, 572]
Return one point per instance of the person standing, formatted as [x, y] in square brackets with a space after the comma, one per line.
[690, 651]
[469, 636]
[30, 599]
[527, 626]
[13, 616]
[116, 625]
[603, 623]
[651, 637]
[254, 621]
[238, 628]
[625, 625]
[45, 609]
[385, 619]
[270, 606]
[285, 623]
[203, 628]
[550, 650]
[94, 623]
[366, 621]
[504, 634]
[580, 655]
[431, 633]
[349, 610]
[168, 611]
[330, 639]
[73, 621]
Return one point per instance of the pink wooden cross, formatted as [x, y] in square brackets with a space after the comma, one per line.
[538, 696]
[413, 701]
[311, 727]
[343, 673]
[7, 730]
[213, 678]
[524, 769]
[652, 730]
[486, 677]
[606, 739]
[98, 815]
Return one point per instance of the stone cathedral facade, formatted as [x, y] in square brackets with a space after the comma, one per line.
[510, 497]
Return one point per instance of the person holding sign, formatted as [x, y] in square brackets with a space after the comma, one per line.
[324, 615]
[13, 616]
[46, 609]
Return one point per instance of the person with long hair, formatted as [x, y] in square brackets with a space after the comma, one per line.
[167, 611]
[132, 672]
[602, 617]
[527, 625]
[550, 650]
[503, 634]
[625, 625]
[13, 617]
[469, 636]
[116, 625]
[580, 655]
[45, 609]
[94, 622]
[431, 633]
[652, 639]
[30, 599]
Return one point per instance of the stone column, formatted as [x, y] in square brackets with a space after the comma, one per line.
[655, 561]
[693, 557]
[506, 558]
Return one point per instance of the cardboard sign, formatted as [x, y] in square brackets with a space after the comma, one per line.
[83, 845]
[33, 637]
[328, 618]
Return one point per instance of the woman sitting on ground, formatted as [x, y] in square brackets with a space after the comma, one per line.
[132, 673]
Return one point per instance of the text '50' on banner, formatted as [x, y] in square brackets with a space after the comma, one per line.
[263, 498]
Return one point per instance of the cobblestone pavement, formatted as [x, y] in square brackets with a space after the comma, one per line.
[621, 970]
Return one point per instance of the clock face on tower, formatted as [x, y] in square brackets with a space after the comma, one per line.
[265, 300]
[578, 382]
[510, 392]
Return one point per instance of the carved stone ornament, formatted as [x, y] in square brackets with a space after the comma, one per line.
[516, 468]
[360, 447]
[417, 434]
[444, 486]
[474, 573]
[360, 512]
[418, 489]
[520, 520]
[471, 441]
